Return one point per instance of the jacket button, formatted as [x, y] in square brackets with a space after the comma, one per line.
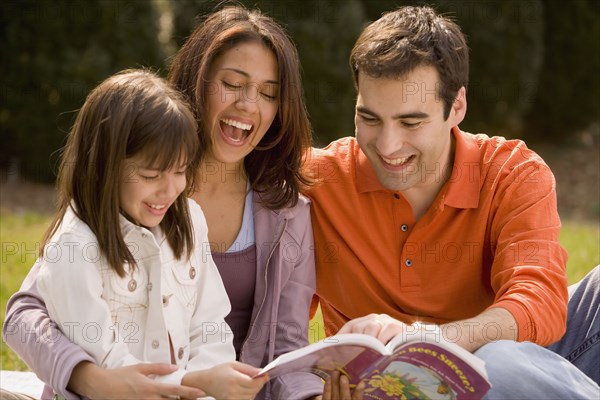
[155, 344]
[165, 300]
[180, 353]
[404, 227]
[132, 285]
[408, 263]
[192, 272]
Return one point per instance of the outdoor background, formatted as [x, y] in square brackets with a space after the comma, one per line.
[535, 75]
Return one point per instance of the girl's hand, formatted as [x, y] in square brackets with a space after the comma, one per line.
[232, 380]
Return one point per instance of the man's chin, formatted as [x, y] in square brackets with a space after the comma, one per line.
[395, 182]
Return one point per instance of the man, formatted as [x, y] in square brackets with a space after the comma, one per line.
[417, 221]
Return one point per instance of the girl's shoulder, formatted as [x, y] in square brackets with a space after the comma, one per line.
[71, 226]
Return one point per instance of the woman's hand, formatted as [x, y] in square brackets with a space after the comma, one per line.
[338, 388]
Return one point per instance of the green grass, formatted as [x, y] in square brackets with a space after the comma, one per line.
[582, 241]
[20, 236]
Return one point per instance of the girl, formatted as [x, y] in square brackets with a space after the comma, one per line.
[125, 272]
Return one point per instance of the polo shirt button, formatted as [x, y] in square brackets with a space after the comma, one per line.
[155, 344]
[408, 263]
[144, 235]
[404, 227]
[192, 273]
[180, 353]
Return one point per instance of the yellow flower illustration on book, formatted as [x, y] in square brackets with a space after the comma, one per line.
[395, 385]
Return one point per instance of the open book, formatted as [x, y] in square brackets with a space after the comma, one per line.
[413, 369]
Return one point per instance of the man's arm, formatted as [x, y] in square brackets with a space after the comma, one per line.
[491, 325]
[528, 266]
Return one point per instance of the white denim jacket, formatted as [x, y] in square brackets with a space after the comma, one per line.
[124, 321]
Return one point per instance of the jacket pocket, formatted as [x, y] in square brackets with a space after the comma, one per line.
[126, 295]
[186, 283]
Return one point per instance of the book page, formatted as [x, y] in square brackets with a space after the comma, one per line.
[416, 333]
[350, 353]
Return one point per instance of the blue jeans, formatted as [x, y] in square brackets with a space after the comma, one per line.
[568, 369]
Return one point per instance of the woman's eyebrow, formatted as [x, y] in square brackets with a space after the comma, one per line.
[247, 75]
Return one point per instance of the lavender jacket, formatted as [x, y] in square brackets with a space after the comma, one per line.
[284, 287]
[285, 283]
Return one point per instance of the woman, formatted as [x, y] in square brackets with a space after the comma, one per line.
[241, 75]
[240, 72]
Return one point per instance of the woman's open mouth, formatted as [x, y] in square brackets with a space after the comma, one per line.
[235, 132]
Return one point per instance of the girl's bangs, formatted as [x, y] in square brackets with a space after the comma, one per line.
[169, 143]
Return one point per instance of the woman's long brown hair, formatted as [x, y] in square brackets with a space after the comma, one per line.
[275, 166]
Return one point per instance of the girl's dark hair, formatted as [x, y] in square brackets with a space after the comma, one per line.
[407, 38]
[274, 168]
[131, 113]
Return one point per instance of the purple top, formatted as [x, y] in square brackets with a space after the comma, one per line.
[238, 271]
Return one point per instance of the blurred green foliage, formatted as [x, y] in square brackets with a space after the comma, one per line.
[53, 54]
[534, 63]
[568, 93]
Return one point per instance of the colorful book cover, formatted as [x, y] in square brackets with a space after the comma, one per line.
[412, 370]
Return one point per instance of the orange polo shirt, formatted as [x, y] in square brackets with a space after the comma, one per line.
[490, 239]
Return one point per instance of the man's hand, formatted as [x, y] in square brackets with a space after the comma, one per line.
[381, 326]
[338, 388]
[132, 382]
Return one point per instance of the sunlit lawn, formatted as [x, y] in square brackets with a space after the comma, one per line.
[20, 236]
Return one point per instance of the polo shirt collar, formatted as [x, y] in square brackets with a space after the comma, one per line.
[464, 183]
[366, 178]
[463, 186]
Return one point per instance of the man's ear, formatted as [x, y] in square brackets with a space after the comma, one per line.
[459, 107]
